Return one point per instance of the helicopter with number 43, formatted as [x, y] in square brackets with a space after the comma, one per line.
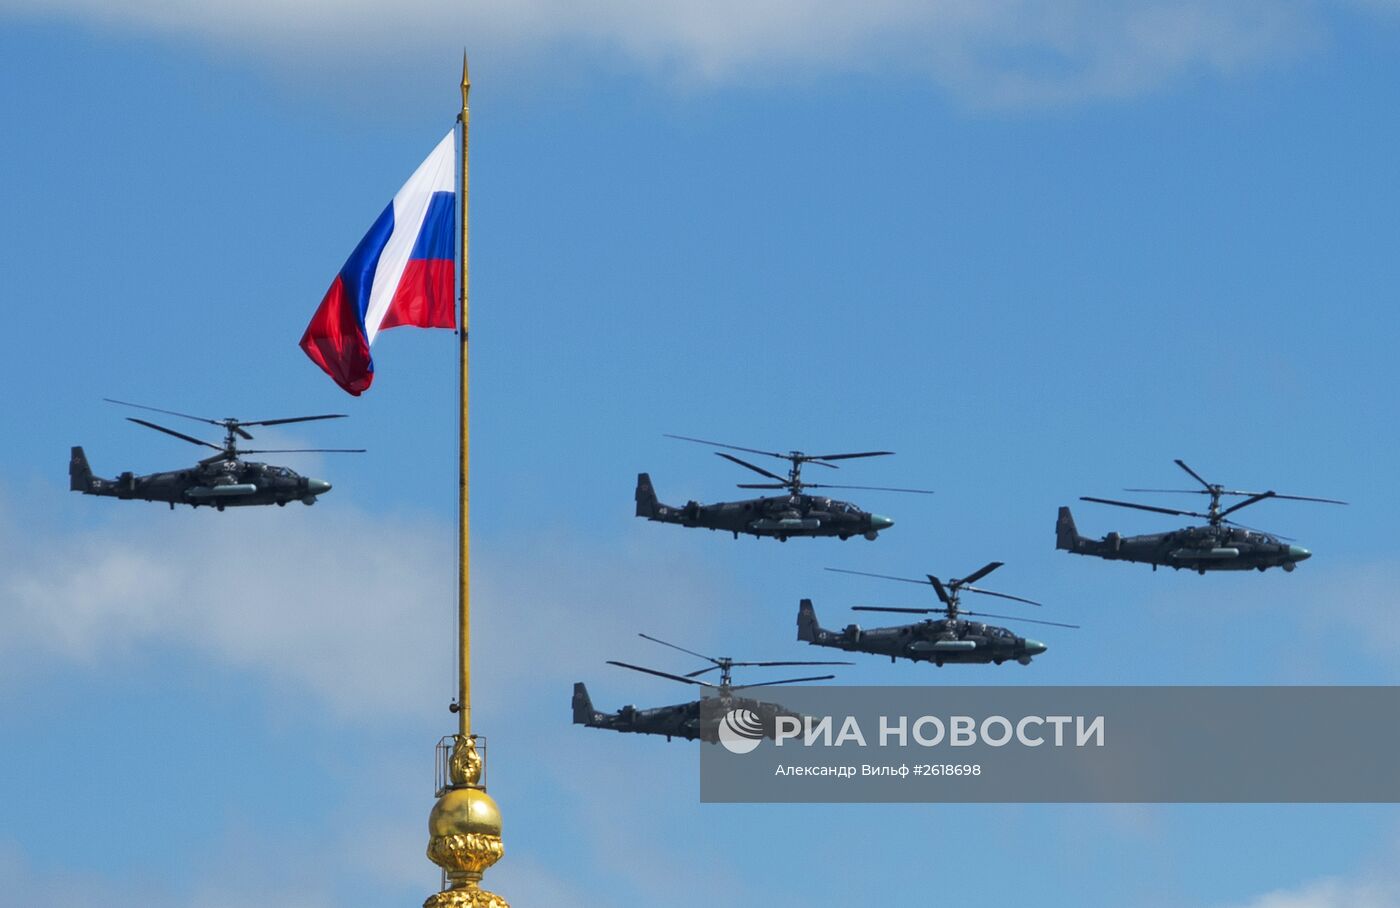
[778, 516]
[1220, 545]
[221, 480]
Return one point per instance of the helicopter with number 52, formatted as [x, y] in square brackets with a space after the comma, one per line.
[1220, 545]
[779, 516]
[685, 720]
[220, 480]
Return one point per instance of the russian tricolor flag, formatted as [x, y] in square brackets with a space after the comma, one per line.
[399, 274]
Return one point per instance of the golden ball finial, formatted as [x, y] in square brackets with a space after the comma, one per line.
[464, 811]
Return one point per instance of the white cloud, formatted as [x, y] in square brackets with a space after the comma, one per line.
[24, 883]
[356, 614]
[999, 52]
[1331, 894]
[355, 611]
[1375, 884]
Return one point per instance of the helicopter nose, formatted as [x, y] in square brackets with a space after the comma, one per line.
[317, 486]
[1034, 647]
[1298, 553]
[878, 523]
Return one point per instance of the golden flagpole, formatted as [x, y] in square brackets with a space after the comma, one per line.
[464, 828]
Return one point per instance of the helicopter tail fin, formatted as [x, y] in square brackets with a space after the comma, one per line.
[583, 705]
[807, 626]
[1066, 534]
[79, 473]
[646, 496]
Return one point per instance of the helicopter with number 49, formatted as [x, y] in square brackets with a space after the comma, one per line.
[219, 481]
[950, 638]
[778, 516]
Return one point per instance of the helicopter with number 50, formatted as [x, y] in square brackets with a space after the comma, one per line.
[1220, 545]
[220, 480]
[777, 516]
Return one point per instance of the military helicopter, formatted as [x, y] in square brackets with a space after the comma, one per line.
[779, 516]
[220, 480]
[936, 640]
[684, 720]
[1220, 545]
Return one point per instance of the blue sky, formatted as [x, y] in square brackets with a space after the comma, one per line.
[1039, 250]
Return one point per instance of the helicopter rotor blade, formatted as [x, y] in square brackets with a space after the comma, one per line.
[848, 456]
[1277, 495]
[941, 590]
[1297, 498]
[303, 451]
[800, 662]
[1027, 620]
[818, 485]
[1194, 475]
[181, 435]
[281, 422]
[882, 576]
[1244, 493]
[784, 681]
[689, 652]
[906, 611]
[1182, 491]
[1144, 507]
[1253, 499]
[719, 444]
[745, 463]
[652, 671]
[127, 403]
[973, 589]
[976, 575]
[760, 485]
[712, 668]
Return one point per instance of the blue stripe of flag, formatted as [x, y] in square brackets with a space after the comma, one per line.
[358, 272]
[438, 237]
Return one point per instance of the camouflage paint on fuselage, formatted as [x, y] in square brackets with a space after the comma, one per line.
[776, 516]
[936, 640]
[1198, 548]
[218, 483]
